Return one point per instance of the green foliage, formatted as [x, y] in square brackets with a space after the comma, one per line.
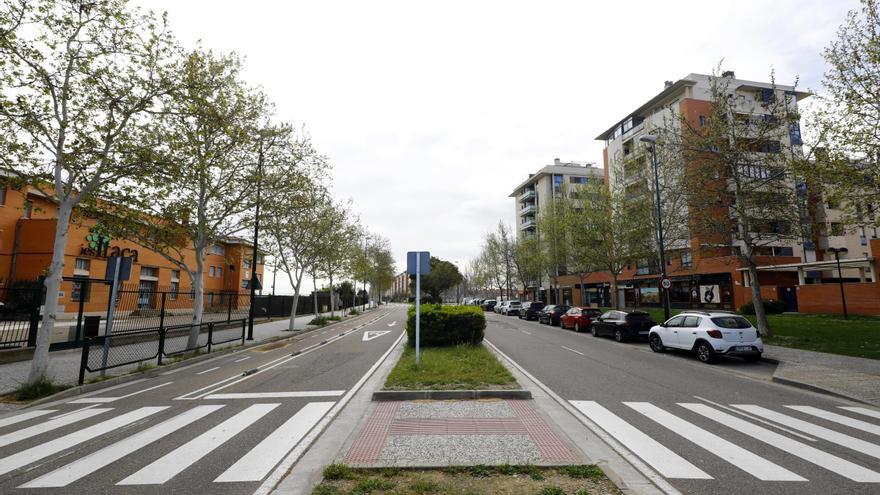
[771, 307]
[354, 312]
[327, 490]
[550, 490]
[422, 486]
[370, 485]
[334, 318]
[481, 471]
[447, 325]
[581, 471]
[443, 275]
[338, 471]
[319, 321]
[42, 387]
[464, 367]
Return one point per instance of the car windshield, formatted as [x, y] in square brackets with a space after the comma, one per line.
[731, 322]
[637, 316]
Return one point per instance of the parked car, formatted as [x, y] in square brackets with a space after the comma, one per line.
[489, 304]
[512, 308]
[623, 325]
[551, 314]
[579, 318]
[530, 311]
[709, 334]
[500, 306]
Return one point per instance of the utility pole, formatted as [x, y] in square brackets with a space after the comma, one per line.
[254, 281]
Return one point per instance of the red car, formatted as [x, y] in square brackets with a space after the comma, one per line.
[579, 318]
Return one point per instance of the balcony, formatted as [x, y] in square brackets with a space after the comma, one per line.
[527, 195]
[527, 223]
[529, 209]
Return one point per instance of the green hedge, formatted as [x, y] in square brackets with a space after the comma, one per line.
[443, 326]
[771, 307]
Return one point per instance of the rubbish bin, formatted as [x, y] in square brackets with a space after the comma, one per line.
[91, 326]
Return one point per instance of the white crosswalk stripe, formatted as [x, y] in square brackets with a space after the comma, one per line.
[53, 424]
[806, 452]
[18, 418]
[91, 463]
[753, 464]
[862, 410]
[665, 461]
[830, 435]
[838, 418]
[65, 442]
[188, 454]
[258, 463]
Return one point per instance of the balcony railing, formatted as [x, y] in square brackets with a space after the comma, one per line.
[528, 210]
[528, 223]
[529, 194]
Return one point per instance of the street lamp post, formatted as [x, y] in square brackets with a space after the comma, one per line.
[254, 281]
[837, 252]
[652, 140]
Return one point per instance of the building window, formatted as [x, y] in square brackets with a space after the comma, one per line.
[175, 275]
[212, 272]
[174, 290]
[767, 95]
[577, 180]
[246, 264]
[149, 271]
[28, 210]
[557, 182]
[702, 121]
[245, 284]
[2, 195]
[687, 259]
[82, 264]
[79, 292]
[794, 132]
[219, 271]
[218, 249]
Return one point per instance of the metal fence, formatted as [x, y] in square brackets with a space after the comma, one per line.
[138, 346]
[20, 313]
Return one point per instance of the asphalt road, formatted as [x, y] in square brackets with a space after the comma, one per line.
[704, 429]
[206, 428]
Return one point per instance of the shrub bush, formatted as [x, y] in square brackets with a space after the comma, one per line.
[771, 307]
[443, 326]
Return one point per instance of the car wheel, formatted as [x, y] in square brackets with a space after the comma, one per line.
[753, 358]
[577, 328]
[618, 336]
[705, 353]
[594, 331]
[656, 344]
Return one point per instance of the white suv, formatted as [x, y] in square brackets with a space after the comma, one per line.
[709, 334]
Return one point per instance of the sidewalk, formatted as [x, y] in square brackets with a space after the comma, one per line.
[851, 377]
[64, 365]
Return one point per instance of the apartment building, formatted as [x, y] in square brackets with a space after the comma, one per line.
[27, 231]
[399, 290]
[533, 195]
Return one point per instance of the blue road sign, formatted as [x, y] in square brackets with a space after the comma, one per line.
[424, 262]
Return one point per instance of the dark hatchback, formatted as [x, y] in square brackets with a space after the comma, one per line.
[551, 313]
[530, 311]
[489, 304]
[622, 325]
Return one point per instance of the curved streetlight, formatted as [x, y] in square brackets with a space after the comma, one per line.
[837, 252]
[652, 141]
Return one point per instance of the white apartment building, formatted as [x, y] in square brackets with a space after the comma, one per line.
[532, 195]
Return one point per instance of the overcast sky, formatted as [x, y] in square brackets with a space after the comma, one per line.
[432, 112]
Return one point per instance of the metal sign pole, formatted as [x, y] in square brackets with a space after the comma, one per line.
[418, 301]
[114, 287]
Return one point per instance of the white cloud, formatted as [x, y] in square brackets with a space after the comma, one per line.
[433, 111]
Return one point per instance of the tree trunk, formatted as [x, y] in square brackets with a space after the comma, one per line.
[332, 299]
[40, 361]
[760, 314]
[315, 295]
[614, 295]
[290, 326]
[198, 286]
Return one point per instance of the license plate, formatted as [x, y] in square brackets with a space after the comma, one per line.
[743, 348]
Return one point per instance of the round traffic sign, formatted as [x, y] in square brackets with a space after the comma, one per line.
[666, 283]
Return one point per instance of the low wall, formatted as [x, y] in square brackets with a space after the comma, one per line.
[861, 298]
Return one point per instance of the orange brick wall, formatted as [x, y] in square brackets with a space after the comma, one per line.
[861, 298]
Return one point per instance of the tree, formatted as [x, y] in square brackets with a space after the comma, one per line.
[335, 253]
[848, 118]
[552, 237]
[738, 169]
[493, 267]
[381, 265]
[79, 79]
[585, 255]
[528, 260]
[443, 275]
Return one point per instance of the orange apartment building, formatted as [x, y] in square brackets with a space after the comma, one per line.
[798, 273]
[27, 229]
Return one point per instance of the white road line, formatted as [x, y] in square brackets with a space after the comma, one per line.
[242, 359]
[756, 419]
[806, 452]
[277, 395]
[208, 371]
[104, 400]
[862, 410]
[572, 350]
[838, 418]
[66, 475]
[525, 332]
[847, 441]
[665, 461]
[59, 444]
[753, 464]
[52, 424]
[25, 416]
[176, 461]
[257, 463]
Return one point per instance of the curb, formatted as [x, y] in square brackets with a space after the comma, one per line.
[824, 391]
[398, 395]
[121, 379]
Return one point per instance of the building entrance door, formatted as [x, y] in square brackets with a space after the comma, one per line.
[789, 295]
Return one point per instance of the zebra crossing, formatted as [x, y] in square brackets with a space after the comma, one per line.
[151, 426]
[719, 424]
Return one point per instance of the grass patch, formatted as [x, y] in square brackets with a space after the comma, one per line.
[859, 336]
[463, 367]
[469, 480]
[144, 367]
[43, 387]
[334, 318]
[319, 321]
